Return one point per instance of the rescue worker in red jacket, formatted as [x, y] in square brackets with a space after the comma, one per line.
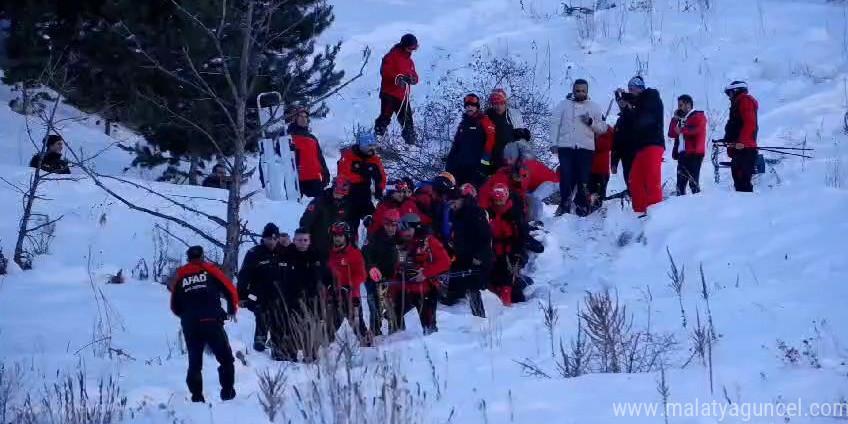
[515, 177]
[196, 298]
[311, 167]
[361, 166]
[688, 129]
[470, 156]
[509, 230]
[740, 134]
[600, 174]
[398, 75]
[348, 268]
[398, 198]
[422, 259]
[542, 181]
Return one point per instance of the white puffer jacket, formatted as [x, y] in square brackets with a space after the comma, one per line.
[569, 131]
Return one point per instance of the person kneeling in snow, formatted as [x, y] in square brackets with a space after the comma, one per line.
[542, 182]
[196, 298]
[422, 258]
[509, 232]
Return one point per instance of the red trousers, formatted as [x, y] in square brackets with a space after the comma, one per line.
[646, 178]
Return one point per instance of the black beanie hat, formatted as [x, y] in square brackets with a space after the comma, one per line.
[408, 40]
[270, 230]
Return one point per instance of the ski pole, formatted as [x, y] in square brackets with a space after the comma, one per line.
[786, 153]
[785, 148]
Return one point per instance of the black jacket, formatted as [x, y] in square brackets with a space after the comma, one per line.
[624, 144]
[196, 293]
[322, 212]
[381, 251]
[51, 162]
[261, 270]
[472, 235]
[649, 128]
[505, 133]
[303, 277]
[469, 147]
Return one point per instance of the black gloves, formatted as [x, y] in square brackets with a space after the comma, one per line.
[367, 221]
[679, 113]
[586, 119]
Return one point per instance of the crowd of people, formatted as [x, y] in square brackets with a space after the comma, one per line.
[468, 229]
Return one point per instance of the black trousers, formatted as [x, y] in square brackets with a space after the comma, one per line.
[424, 303]
[689, 173]
[598, 186]
[502, 276]
[199, 335]
[261, 333]
[389, 105]
[375, 307]
[311, 188]
[468, 286]
[742, 165]
[361, 204]
[575, 167]
[343, 308]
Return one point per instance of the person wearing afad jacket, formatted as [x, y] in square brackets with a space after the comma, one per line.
[422, 259]
[648, 134]
[574, 124]
[397, 72]
[312, 171]
[470, 156]
[361, 166]
[740, 134]
[196, 293]
[688, 129]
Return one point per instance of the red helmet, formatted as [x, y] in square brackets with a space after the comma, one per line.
[468, 190]
[500, 193]
[392, 216]
[340, 228]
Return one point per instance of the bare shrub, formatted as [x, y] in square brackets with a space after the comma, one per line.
[437, 117]
[67, 401]
[272, 388]
[677, 277]
[164, 264]
[551, 315]
[575, 362]
[11, 389]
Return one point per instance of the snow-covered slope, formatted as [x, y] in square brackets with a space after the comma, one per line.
[774, 262]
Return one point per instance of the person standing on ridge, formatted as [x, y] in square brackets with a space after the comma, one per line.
[740, 134]
[574, 124]
[470, 156]
[311, 167]
[648, 134]
[509, 126]
[688, 129]
[196, 298]
[397, 72]
[260, 275]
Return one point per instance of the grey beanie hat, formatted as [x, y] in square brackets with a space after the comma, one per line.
[517, 150]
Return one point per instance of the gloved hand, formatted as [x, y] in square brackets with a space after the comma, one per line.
[586, 119]
[367, 221]
[476, 262]
[375, 274]
[679, 113]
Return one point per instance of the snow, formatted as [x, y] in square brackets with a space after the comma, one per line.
[774, 261]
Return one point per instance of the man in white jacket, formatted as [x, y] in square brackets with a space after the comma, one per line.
[574, 124]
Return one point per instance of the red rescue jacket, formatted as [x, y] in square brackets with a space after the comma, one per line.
[539, 174]
[742, 126]
[348, 268]
[502, 176]
[693, 130]
[397, 62]
[358, 169]
[379, 216]
[506, 236]
[603, 149]
[308, 156]
[428, 255]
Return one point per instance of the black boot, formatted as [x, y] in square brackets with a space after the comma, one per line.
[228, 393]
[198, 398]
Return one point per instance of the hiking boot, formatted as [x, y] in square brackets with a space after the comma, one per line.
[259, 346]
[228, 393]
[198, 398]
[410, 137]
